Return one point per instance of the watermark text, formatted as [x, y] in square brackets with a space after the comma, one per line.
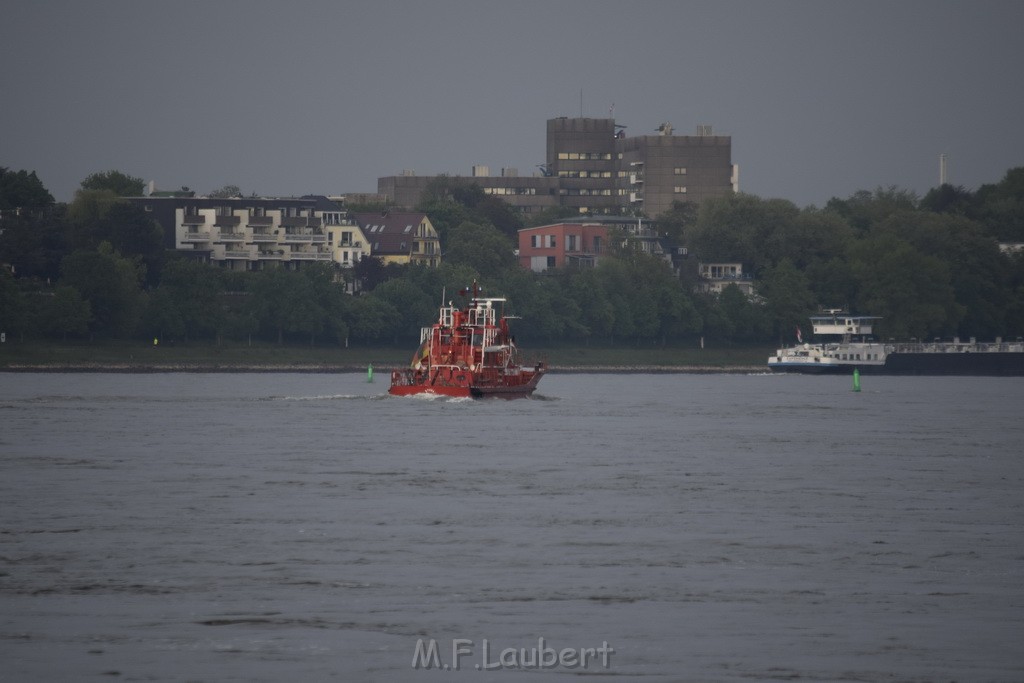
[429, 654]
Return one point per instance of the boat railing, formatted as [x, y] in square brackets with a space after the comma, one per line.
[954, 347]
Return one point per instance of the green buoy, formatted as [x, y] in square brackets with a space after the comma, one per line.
[856, 379]
[369, 373]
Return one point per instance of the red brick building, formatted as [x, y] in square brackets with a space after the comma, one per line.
[553, 246]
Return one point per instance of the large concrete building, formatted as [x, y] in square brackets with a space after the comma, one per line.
[593, 167]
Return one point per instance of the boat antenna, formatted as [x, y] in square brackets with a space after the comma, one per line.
[443, 291]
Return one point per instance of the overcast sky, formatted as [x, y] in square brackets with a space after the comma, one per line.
[287, 98]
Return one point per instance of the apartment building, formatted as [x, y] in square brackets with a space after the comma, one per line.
[252, 233]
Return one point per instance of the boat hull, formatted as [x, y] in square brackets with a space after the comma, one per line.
[465, 384]
[989, 364]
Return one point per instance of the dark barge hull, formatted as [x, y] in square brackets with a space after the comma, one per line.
[991, 364]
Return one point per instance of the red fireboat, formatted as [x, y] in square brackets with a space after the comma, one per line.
[468, 353]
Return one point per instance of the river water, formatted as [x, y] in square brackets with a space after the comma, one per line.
[267, 527]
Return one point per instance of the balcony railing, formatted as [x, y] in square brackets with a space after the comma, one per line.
[227, 221]
[309, 237]
[236, 253]
[260, 220]
[263, 237]
[196, 237]
[301, 222]
[194, 219]
[310, 256]
[231, 237]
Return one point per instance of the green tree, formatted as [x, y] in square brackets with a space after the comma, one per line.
[130, 230]
[746, 321]
[832, 281]
[13, 309]
[34, 242]
[328, 291]
[1000, 207]
[677, 223]
[948, 199]
[120, 184]
[22, 190]
[163, 317]
[806, 237]
[66, 312]
[549, 312]
[864, 209]
[86, 215]
[284, 301]
[787, 298]
[415, 307]
[911, 291]
[481, 247]
[370, 271]
[187, 301]
[737, 228]
[597, 315]
[976, 269]
[226, 192]
[550, 215]
[111, 285]
[498, 213]
[373, 319]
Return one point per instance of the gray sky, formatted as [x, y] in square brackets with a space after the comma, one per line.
[821, 98]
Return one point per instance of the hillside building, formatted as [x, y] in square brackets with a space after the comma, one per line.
[401, 237]
[253, 233]
[592, 166]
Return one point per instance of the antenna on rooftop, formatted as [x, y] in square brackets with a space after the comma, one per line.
[942, 170]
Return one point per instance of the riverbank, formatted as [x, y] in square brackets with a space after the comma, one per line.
[140, 358]
[554, 369]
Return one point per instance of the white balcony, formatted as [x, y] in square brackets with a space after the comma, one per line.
[310, 256]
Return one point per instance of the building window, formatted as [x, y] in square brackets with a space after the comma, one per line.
[679, 189]
[680, 170]
[535, 241]
[550, 241]
[551, 261]
[570, 243]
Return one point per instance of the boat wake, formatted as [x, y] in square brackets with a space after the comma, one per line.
[327, 397]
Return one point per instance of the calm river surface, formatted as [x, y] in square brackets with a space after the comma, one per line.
[268, 527]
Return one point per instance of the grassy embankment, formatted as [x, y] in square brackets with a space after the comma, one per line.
[137, 356]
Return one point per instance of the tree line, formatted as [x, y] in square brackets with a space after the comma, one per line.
[96, 268]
